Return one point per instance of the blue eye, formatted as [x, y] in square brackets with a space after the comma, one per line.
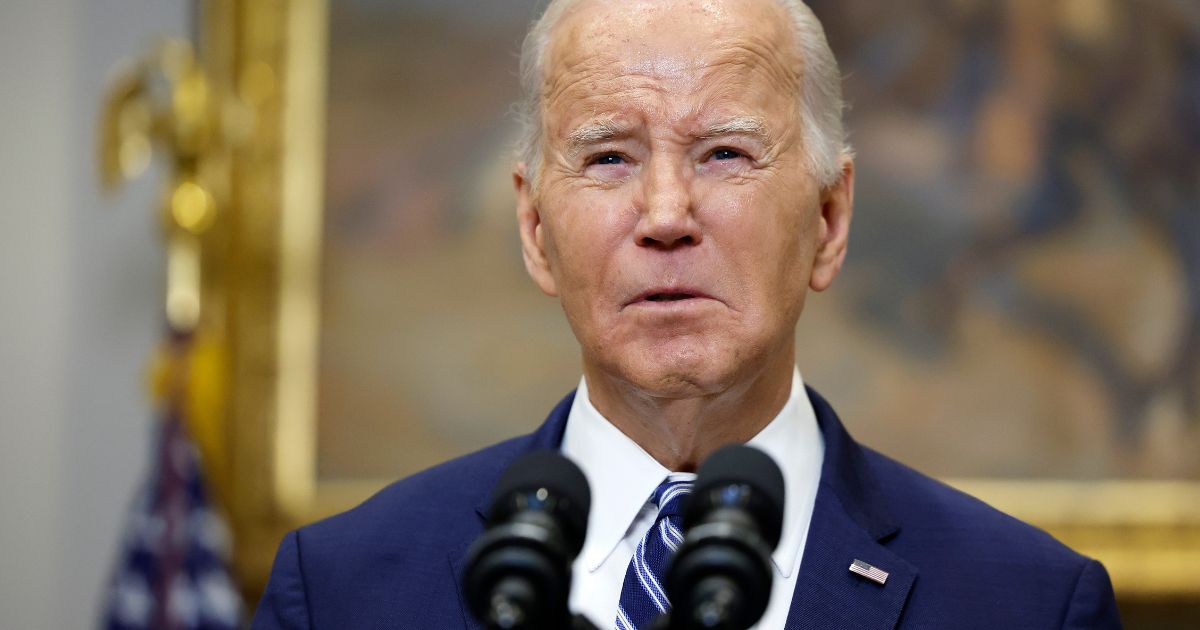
[726, 154]
[609, 158]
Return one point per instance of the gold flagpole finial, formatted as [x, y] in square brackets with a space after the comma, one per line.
[164, 104]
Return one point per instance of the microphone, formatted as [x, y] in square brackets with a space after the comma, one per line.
[518, 572]
[720, 578]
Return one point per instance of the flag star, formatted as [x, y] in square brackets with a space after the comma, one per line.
[132, 601]
[183, 607]
[209, 531]
[218, 599]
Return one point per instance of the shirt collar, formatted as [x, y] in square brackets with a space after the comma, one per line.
[793, 439]
[622, 476]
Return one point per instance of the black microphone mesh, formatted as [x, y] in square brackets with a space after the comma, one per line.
[559, 476]
[738, 464]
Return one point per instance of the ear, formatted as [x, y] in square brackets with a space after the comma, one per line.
[533, 239]
[837, 205]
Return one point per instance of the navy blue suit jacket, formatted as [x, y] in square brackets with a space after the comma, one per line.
[953, 562]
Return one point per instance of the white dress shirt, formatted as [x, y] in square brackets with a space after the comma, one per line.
[623, 477]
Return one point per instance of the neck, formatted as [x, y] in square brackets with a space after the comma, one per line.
[681, 432]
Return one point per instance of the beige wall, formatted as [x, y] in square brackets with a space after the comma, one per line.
[79, 294]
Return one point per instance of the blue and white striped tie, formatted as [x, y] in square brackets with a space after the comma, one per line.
[642, 594]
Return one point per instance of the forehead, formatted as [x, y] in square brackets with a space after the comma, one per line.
[601, 54]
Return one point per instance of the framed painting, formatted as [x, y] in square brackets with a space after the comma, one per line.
[1019, 315]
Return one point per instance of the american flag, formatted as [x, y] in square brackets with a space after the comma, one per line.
[866, 570]
[172, 573]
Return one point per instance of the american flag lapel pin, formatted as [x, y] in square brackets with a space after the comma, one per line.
[871, 573]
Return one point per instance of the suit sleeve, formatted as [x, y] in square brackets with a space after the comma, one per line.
[1093, 605]
[284, 605]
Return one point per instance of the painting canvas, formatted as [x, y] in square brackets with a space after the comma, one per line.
[1022, 294]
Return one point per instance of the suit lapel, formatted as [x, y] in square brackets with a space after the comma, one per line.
[458, 559]
[828, 595]
[549, 435]
[850, 522]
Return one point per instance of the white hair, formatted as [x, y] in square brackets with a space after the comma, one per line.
[820, 100]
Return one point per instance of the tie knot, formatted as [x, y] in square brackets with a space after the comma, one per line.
[668, 496]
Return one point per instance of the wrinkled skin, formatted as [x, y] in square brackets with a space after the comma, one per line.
[675, 217]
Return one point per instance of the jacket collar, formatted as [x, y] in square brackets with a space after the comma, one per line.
[850, 521]
[847, 476]
[549, 435]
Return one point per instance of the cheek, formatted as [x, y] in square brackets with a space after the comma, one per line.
[587, 232]
[767, 244]
[751, 223]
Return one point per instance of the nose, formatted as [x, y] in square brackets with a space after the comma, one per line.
[667, 217]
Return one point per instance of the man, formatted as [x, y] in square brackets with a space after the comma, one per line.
[684, 183]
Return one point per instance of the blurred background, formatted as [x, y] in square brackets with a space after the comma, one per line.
[1020, 309]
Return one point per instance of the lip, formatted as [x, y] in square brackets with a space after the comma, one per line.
[685, 295]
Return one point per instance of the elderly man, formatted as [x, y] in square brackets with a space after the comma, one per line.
[684, 183]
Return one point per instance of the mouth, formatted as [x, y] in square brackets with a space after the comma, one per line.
[668, 295]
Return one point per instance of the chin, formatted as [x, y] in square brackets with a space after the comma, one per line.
[681, 372]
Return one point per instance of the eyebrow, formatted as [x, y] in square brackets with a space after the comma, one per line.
[739, 125]
[595, 132]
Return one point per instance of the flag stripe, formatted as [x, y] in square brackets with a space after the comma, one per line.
[870, 572]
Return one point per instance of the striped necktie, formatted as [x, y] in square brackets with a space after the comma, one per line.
[642, 594]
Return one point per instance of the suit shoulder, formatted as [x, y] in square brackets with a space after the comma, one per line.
[970, 555]
[431, 502]
[395, 549]
[934, 512]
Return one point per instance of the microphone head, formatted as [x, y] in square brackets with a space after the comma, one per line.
[545, 481]
[741, 477]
